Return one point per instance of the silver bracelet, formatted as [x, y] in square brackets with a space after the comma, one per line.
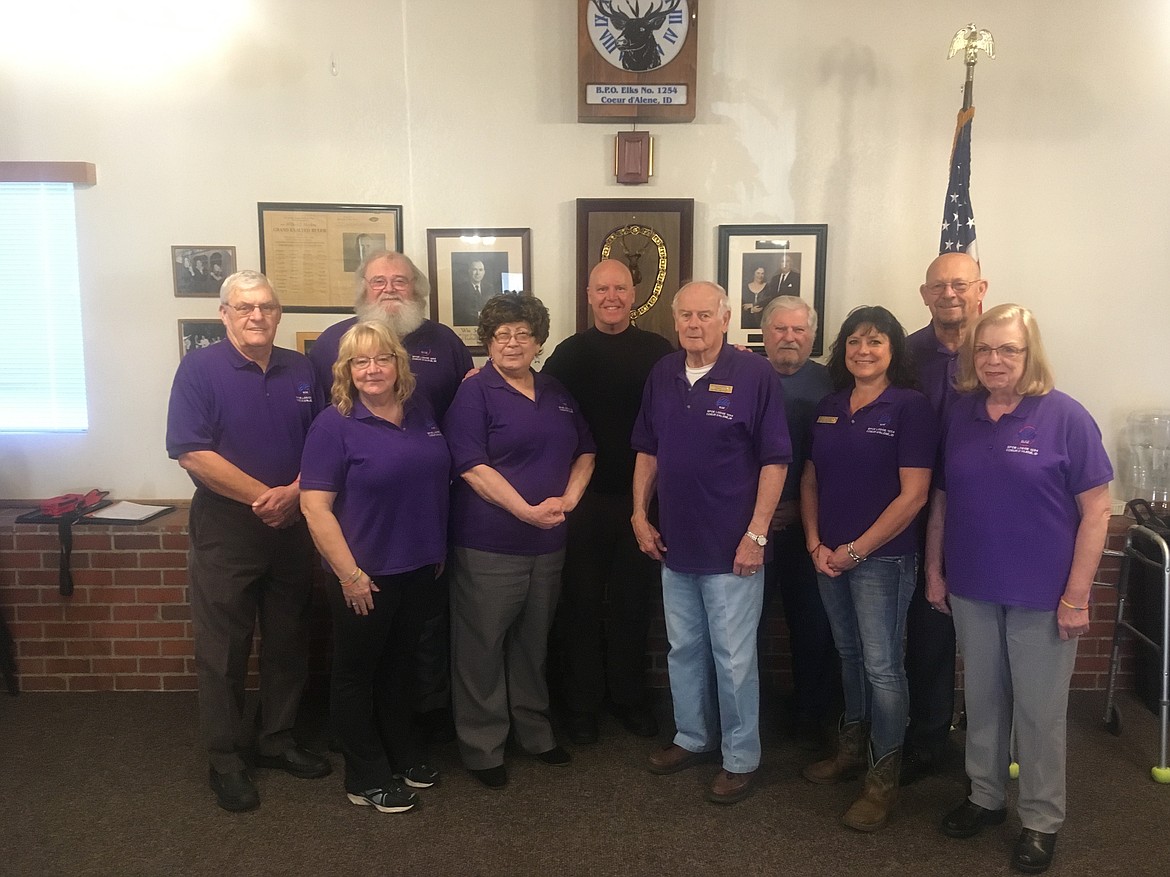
[853, 555]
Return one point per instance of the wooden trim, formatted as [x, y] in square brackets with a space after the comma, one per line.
[80, 173]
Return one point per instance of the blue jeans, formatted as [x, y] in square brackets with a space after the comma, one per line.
[867, 611]
[711, 623]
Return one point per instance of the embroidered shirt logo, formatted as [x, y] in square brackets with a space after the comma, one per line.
[1024, 441]
[304, 392]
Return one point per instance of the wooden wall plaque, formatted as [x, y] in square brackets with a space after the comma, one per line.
[636, 60]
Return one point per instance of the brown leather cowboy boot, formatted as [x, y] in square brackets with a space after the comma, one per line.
[848, 760]
[871, 810]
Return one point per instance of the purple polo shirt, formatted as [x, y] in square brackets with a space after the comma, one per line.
[936, 366]
[532, 444]
[257, 420]
[858, 458]
[392, 484]
[710, 441]
[438, 360]
[1011, 489]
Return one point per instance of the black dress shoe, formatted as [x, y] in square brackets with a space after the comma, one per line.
[968, 819]
[638, 720]
[234, 791]
[298, 761]
[492, 777]
[581, 728]
[1033, 852]
[556, 756]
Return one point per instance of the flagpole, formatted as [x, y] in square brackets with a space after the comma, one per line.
[958, 221]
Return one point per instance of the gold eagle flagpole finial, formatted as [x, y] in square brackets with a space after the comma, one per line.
[971, 40]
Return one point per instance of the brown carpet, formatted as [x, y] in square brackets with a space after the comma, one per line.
[112, 784]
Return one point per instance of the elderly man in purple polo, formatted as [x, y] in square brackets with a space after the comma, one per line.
[712, 441]
[954, 293]
[390, 287]
[239, 413]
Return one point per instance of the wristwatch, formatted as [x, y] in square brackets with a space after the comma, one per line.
[759, 540]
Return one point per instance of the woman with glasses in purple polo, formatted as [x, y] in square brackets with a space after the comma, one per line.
[873, 446]
[524, 454]
[1017, 525]
[375, 482]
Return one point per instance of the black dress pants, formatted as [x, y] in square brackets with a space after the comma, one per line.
[241, 569]
[604, 652]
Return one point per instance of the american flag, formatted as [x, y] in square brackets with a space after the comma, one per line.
[958, 223]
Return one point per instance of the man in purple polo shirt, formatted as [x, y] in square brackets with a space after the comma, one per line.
[390, 287]
[238, 416]
[953, 292]
[713, 442]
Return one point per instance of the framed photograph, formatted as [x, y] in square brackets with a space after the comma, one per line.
[759, 262]
[198, 272]
[310, 251]
[199, 333]
[305, 341]
[654, 237]
[469, 266]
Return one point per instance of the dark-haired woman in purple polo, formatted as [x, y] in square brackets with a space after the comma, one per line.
[1017, 526]
[873, 445]
[525, 455]
[375, 482]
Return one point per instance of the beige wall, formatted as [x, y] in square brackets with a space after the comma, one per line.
[464, 113]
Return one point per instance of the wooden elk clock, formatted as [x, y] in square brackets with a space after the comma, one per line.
[636, 60]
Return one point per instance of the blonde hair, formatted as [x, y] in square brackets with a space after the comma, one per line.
[378, 335]
[1037, 378]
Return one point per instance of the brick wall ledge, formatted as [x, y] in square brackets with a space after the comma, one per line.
[127, 626]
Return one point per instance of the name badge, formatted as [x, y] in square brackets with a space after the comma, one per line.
[827, 418]
[721, 388]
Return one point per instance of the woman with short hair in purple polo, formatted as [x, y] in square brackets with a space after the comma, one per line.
[375, 482]
[873, 446]
[524, 454]
[1017, 526]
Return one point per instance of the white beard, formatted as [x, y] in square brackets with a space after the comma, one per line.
[403, 321]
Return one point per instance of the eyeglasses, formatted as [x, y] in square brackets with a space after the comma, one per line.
[1005, 351]
[521, 337]
[379, 283]
[959, 286]
[383, 360]
[244, 310]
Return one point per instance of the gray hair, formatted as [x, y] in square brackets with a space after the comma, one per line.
[241, 280]
[790, 303]
[420, 286]
[724, 301]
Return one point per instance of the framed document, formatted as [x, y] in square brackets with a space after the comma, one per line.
[310, 251]
[653, 236]
[759, 262]
[469, 266]
[636, 60]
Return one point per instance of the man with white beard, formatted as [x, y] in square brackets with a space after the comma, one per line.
[391, 288]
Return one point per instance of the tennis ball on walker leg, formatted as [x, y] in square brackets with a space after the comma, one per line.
[1014, 770]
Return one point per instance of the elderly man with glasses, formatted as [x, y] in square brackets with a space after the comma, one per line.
[239, 413]
[954, 293]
